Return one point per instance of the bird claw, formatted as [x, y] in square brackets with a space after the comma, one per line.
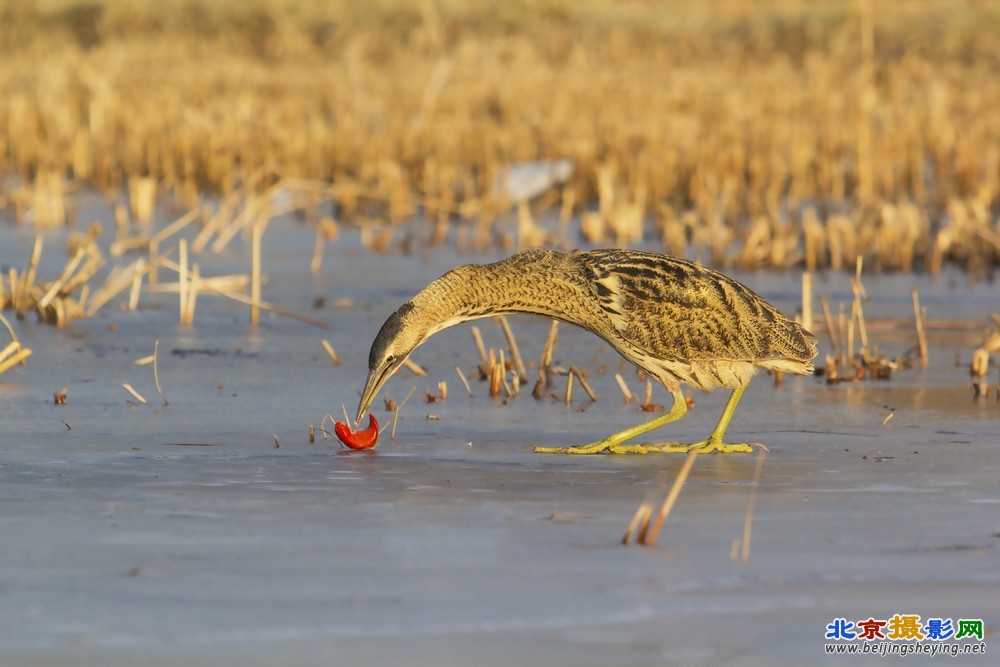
[602, 447]
[705, 447]
[593, 448]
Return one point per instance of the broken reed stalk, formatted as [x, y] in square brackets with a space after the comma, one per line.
[29, 275]
[156, 371]
[194, 283]
[257, 235]
[154, 263]
[583, 382]
[15, 289]
[254, 209]
[137, 273]
[919, 315]
[831, 330]
[117, 283]
[63, 277]
[850, 330]
[182, 278]
[316, 263]
[484, 364]
[502, 372]
[545, 362]
[132, 391]
[10, 329]
[234, 281]
[493, 373]
[175, 226]
[648, 534]
[465, 382]
[639, 519]
[859, 295]
[807, 297]
[842, 326]
[395, 413]
[624, 387]
[751, 501]
[412, 366]
[330, 351]
[14, 353]
[515, 353]
[263, 305]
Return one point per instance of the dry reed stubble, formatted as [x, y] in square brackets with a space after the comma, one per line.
[416, 112]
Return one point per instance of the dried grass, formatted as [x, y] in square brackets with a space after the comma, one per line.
[781, 134]
[13, 353]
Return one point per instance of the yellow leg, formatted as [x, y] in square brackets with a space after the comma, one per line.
[613, 443]
[714, 442]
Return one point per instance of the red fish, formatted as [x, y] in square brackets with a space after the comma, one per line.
[364, 439]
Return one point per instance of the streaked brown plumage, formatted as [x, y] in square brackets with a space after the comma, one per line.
[676, 320]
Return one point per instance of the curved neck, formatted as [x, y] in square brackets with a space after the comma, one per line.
[539, 282]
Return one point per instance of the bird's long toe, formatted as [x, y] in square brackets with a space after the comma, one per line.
[608, 447]
[704, 447]
[593, 448]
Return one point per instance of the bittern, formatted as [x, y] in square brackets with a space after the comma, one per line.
[678, 321]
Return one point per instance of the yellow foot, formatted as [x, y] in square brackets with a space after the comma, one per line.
[704, 447]
[599, 447]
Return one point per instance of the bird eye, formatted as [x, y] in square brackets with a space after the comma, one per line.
[390, 360]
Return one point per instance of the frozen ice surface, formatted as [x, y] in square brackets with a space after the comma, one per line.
[179, 534]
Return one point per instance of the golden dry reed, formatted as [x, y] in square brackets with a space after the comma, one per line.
[759, 134]
[13, 353]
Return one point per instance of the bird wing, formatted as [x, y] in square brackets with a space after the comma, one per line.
[607, 289]
[678, 310]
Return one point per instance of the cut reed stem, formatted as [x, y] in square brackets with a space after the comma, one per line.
[331, 352]
[583, 382]
[515, 353]
[484, 365]
[412, 366]
[807, 297]
[134, 393]
[395, 413]
[919, 316]
[624, 387]
[545, 362]
[465, 382]
[648, 537]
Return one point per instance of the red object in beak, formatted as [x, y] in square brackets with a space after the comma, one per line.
[365, 439]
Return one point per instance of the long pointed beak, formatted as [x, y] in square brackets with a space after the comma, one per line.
[372, 386]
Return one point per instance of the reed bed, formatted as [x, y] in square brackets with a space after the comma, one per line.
[62, 299]
[767, 134]
[853, 356]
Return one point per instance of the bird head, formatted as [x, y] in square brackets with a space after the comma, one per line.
[392, 346]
